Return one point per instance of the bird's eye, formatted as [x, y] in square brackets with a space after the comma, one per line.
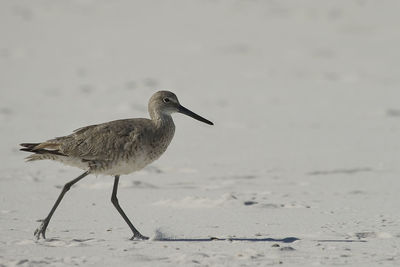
[166, 100]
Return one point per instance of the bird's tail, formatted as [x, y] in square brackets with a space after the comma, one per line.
[45, 150]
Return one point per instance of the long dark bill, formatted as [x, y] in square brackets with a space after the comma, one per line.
[185, 111]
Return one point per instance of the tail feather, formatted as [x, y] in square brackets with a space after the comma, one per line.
[41, 148]
[34, 157]
[28, 146]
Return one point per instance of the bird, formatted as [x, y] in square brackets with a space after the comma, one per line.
[113, 148]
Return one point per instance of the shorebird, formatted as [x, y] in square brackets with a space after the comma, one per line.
[113, 148]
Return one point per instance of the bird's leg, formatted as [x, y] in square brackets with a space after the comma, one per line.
[114, 200]
[41, 230]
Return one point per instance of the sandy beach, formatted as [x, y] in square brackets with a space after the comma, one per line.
[300, 169]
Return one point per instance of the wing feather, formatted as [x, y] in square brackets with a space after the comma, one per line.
[103, 141]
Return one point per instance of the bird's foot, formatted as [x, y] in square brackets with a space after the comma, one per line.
[41, 230]
[139, 236]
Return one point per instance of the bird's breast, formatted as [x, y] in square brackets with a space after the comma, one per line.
[136, 157]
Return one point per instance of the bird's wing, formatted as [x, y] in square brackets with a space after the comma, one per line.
[103, 142]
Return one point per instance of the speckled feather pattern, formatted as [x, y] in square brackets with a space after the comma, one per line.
[115, 148]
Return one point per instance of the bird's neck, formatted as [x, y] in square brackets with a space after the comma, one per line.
[164, 130]
[163, 121]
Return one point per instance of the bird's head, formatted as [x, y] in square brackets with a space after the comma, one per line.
[166, 103]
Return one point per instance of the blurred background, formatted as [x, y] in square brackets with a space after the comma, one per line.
[303, 85]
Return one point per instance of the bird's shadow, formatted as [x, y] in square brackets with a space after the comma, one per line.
[245, 239]
[210, 239]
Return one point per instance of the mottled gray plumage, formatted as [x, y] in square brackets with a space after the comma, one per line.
[115, 147]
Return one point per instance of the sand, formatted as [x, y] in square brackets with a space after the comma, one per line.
[300, 169]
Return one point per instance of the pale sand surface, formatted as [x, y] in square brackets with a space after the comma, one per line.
[305, 100]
